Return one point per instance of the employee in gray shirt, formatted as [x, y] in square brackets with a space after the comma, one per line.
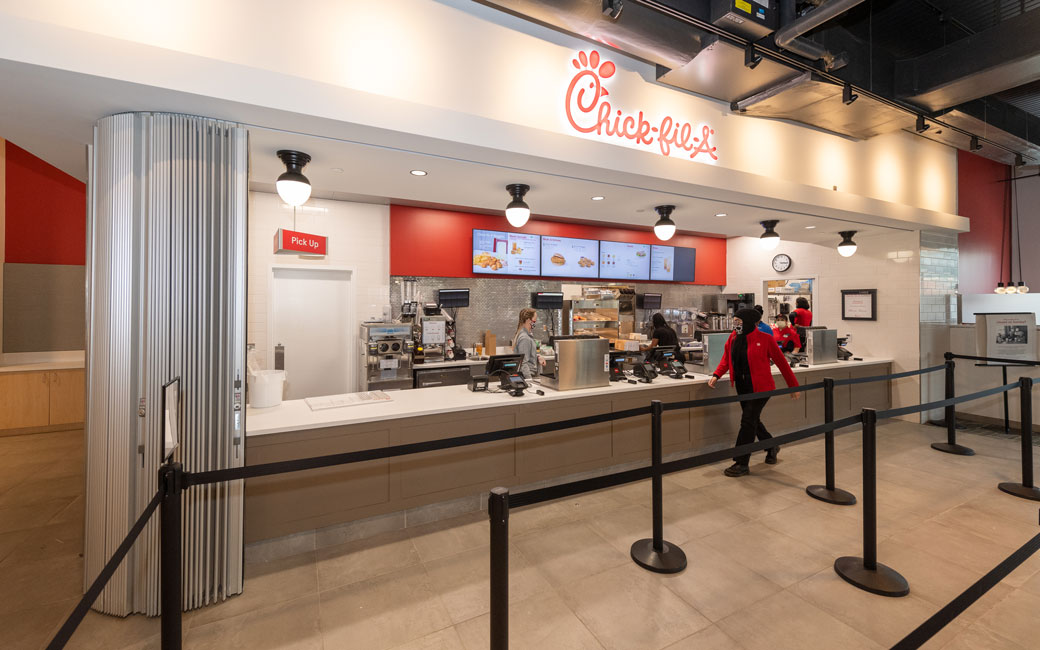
[524, 343]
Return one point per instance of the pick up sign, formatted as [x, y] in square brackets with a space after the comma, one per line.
[290, 242]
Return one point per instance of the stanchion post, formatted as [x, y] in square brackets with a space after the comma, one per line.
[1025, 490]
[498, 513]
[951, 446]
[866, 572]
[655, 554]
[828, 492]
[171, 482]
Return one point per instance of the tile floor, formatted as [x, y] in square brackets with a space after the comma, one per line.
[759, 577]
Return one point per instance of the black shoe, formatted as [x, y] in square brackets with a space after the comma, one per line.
[771, 455]
[736, 469]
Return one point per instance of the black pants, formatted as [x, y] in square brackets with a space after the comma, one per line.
[751, 426]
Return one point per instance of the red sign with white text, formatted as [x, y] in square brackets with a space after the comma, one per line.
[293, 243]
[589, 112]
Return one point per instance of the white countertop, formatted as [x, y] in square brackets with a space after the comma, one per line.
[295, 415]
[43, 367]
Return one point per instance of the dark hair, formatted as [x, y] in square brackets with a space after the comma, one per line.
[759, 309]
[802, 303]
[659, 321]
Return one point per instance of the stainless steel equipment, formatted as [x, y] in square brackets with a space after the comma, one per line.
[714, 347]
[386, 352]
[821, 346]
[430, 377]
[580, 363]
[433, 336]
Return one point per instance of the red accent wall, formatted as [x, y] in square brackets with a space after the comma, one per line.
[980, 197]
[46, 221]
[439, 243]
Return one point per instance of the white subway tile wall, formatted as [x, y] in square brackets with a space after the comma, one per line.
[359, 238]
[939, 280]
[889, 263]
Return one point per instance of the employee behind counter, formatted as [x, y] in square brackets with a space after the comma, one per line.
[524, 343]
[663, 336]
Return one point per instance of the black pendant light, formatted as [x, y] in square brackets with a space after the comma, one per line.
[847, 247]
[665, 227]
[770, 239]
[518, 212]
[292, 185]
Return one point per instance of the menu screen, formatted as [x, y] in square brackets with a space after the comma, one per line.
[563, 257]
[672, 264]
[505, 253]
[621, 261]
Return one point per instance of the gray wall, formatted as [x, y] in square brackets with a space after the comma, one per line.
[43, 307]
[496, 302]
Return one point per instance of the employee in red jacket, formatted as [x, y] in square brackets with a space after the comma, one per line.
[785, 335]
[746, 358]
[801, 316]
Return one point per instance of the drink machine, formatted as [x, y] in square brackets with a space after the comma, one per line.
[386, 351]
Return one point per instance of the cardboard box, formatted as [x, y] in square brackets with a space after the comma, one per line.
[637, 337]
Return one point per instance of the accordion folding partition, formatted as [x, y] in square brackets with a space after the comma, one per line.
[166, 297]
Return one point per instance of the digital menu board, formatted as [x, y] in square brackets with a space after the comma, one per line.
[672, 264]
[624, 261]
[564, 257]
[505, 253]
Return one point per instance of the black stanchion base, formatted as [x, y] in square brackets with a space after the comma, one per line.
[883, 581]
[1019, 490]
[837, 496]
[959, 450]
[670, 560]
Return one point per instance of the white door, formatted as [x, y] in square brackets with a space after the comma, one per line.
[311, 316]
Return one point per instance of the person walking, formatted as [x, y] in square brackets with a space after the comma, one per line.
[746, 358]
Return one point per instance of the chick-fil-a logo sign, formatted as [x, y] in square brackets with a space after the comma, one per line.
[588, 111]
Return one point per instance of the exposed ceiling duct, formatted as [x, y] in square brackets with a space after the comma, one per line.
[636, 30]
[810, 100]
[789, 38]
[1004, 56]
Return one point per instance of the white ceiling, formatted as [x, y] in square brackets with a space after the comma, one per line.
[377, 174]
[51, 113]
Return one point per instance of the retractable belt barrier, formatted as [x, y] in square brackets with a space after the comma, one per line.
[958, 605]
[713, 401]
[174, 480]
[282, 467]
[96, 587]
[1014, 362]
[540, 495]
[898, 375]
[919, 408]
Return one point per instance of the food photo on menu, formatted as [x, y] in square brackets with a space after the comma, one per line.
[505, 253]
[564, 257]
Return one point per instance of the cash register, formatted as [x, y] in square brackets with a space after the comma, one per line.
[665, 358]
[507, 368]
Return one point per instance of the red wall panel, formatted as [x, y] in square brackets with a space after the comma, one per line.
[46, 220]
[980, 197]
[439, 243]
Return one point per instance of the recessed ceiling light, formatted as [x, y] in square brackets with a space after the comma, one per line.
[721, 214]
[338, 170]
[598, 198]
[417, 172]
[809, 227]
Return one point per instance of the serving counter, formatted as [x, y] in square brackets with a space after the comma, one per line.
[289, 503]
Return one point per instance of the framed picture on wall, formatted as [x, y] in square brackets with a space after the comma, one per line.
[859, 304]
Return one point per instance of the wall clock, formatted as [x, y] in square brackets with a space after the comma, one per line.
[781, 263]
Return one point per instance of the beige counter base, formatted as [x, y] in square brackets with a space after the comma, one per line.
[289, 504]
